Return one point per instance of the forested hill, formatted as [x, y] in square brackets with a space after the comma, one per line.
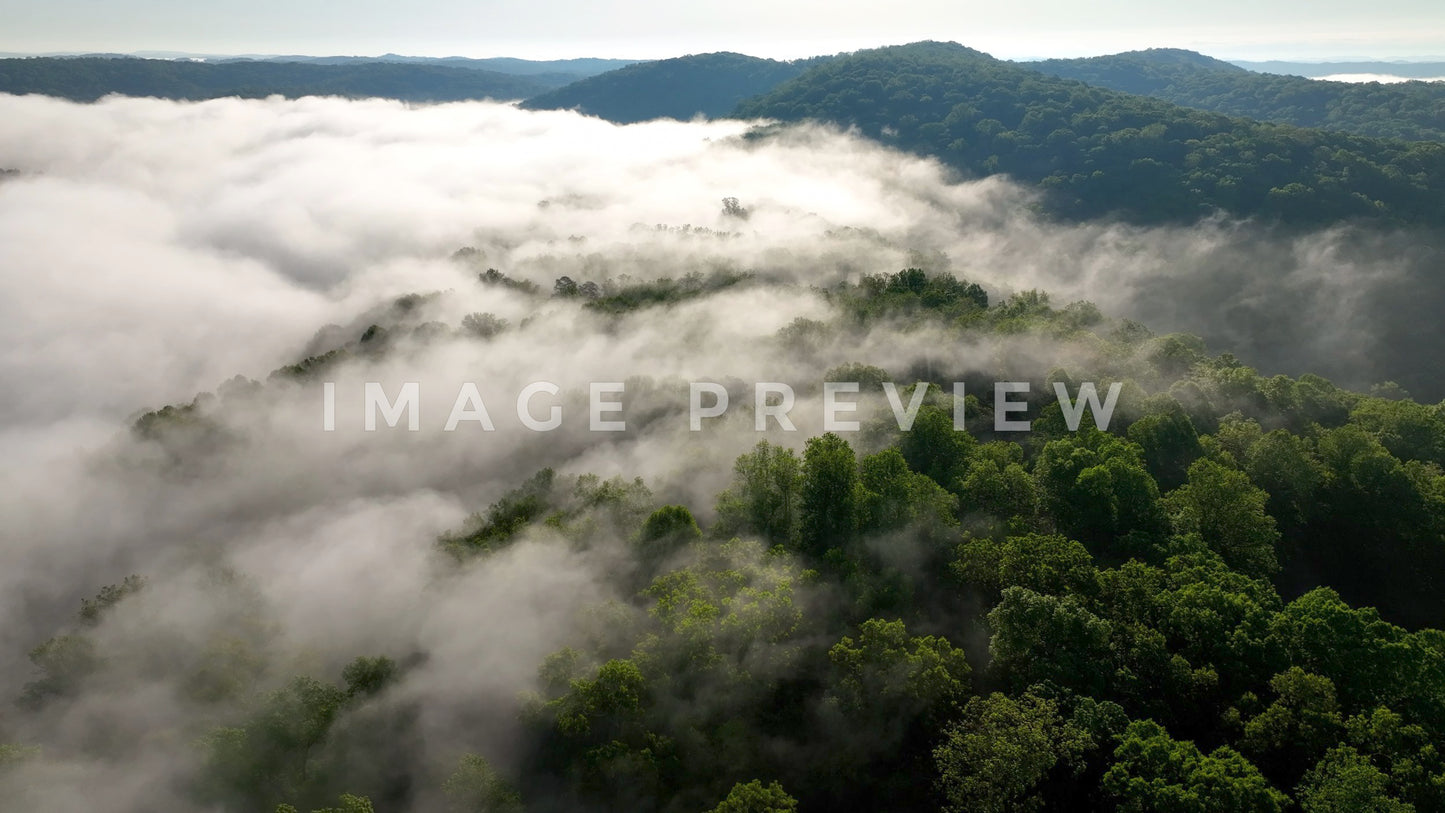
[1099, 151]
[86, 79]
[1144, 72]
[706, 84]
[1408, 110]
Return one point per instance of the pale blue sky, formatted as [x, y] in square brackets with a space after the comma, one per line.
[1239, 29]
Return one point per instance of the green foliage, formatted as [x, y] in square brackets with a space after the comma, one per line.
[1038, 638]
[604, 703]
[765, 497]
[1287, 468]
[1297, 728]
[475, 787]
[493, 277]
[913, 292]
[626, 296]
[267, 759]
[588, 507]
[894, 497]
[866, 376]
[1346, 782]
[1153, 773]
[64, 661]
[727, 603]
[91, 610]
[311, 367]
[1001, 490]
[721, 634]
[505, 518]
[1050, 564]
[281, 751]
[347, 804]
[1095, 487]
[830, 495]
[667, 529]
[1408, 430]
[367, 676]
[1228, 512]
[1170, 445]
[483, 325]
[995, 759]
[887, 671]
[755, 797]
[1412, 761]
[932, 447]
[1370, 661]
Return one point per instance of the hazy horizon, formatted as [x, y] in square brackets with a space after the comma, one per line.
[1252, 62]
[639, 30]
[522, 53]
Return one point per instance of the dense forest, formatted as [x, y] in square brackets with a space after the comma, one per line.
[86, 79]
[708, 85]
[1227, 598]
[1414, 111]
[1100, 151]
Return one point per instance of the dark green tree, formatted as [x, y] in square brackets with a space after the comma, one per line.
[831, 495]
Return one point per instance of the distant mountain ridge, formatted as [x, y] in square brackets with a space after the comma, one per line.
[708, 85]
[578, 67]
[1413, 110]
[575, 69]
[1409, 70]
[89, 78]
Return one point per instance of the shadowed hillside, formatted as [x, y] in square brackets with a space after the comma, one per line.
[708, 84]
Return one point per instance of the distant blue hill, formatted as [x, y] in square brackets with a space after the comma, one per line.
[709, 85]
[1407, 70]
[89, 78]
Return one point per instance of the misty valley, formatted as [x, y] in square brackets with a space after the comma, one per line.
[896, 430]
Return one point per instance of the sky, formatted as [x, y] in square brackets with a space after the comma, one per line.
[646, 29]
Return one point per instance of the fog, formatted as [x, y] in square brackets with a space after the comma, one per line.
[151, 251]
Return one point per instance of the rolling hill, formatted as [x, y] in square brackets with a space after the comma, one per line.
[1098, 151]
[1408, 110]
[709, 85]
